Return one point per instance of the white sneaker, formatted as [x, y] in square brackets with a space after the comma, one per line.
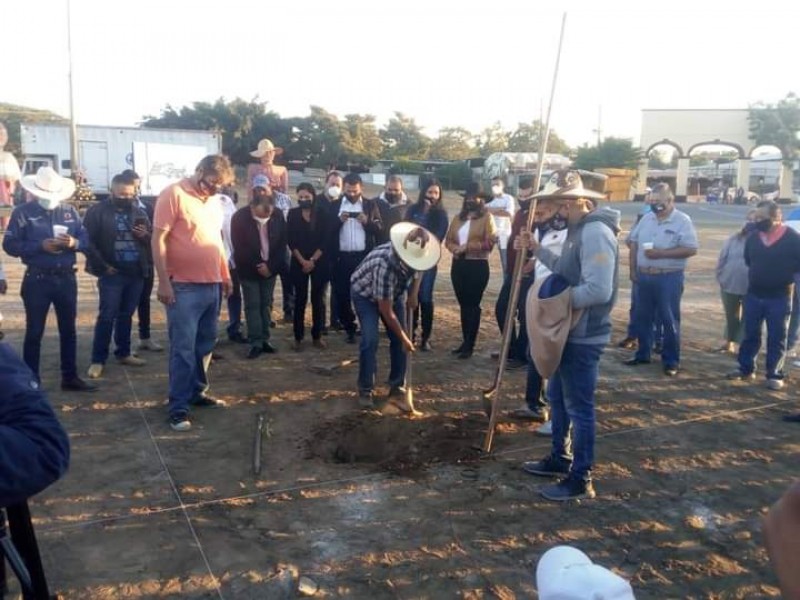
[95, 371]
[791, 354]
[131, 361]
[180, 423]
[775, 384]
[796, 363]
[151, 345]
[545, 429]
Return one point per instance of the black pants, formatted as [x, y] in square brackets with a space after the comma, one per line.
[518, 346]
[345, 265]
[319, 281]
[469, 278]
[287, 289]
[143, 310]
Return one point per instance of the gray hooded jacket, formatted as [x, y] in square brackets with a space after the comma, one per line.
[589, 261]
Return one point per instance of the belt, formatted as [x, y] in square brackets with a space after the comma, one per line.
[53, 271]
[658, 271]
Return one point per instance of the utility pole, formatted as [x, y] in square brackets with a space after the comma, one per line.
[73, 128]
[599, 130]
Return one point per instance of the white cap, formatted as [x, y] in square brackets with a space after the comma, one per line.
[566, 573]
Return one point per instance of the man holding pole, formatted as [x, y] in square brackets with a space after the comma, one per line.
[378, 289]
[589, 264]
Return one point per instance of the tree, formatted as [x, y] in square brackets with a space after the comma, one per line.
[360, 139]
[452, 143]
[777, 125]
[657, 160]
[493, 139]
[403, 138]
[527, 138]
[611, 153]
[12, 116]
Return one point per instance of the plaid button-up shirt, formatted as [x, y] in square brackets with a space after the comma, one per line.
[381, 275]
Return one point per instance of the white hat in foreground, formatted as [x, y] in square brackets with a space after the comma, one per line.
[566, 573]
[416, 246]
[48, 185]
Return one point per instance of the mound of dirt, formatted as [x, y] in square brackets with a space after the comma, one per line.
[398, 444]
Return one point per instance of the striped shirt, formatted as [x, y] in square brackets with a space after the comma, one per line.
[381, 275]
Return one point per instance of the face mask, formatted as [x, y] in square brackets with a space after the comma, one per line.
[763, 225]
[122, 202]
[260, 220]
[431, 201]
[48, 203]
[658, 208]
[749, 228]
[392, 198]
[524, 203]
[305, 203]
[334, 191]
[472, 205]
[497, 190]
[557, 223]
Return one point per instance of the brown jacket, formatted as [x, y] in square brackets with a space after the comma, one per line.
[482, 236]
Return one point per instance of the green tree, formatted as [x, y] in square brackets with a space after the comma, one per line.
[403, 138]
[777, 125]
[493, 139]
[611, 153]
[360, 140]
[452, 143]
[527, 138]
[12, 116]
[657, 160]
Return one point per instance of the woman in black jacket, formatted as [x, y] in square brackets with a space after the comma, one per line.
[258, 235]
[307, 234]
[428, 212]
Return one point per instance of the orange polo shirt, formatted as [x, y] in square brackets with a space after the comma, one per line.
[195, 253]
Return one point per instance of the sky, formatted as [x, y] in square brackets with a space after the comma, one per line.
[447, 63]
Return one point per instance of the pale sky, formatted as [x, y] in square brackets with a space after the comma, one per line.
[446, 63]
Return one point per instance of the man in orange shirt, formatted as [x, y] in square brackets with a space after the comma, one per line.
[193, 275]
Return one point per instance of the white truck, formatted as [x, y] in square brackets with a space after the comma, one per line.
[159, 156]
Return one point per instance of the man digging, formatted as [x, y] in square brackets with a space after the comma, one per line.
[378, 288]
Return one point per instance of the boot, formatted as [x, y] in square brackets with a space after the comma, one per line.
[464, 330]
[426, 308]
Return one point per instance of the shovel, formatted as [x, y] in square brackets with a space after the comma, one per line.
[407, 404]
[330, 369]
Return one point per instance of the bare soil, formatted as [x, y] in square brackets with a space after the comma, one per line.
[369, 506]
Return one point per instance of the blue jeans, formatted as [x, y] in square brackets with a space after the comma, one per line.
[368, 318]
[426, 285]
[660, 301]
[658, 327]
[794, 321]
[192, 325]
[775, 311]
[39, 291]
[119, 297]
[571, 396]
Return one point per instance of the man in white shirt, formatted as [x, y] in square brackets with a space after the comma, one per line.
[234, 328]
[502, 208]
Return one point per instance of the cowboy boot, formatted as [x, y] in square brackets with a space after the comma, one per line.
[426, 308]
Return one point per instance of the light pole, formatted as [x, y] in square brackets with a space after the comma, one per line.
[73, 129]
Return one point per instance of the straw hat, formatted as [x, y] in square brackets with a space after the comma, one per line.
[408, 243]
[569, 184]
[48, 185]
[265, 146]
[566, 573]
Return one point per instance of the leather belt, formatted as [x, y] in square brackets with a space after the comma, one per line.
[658, 271]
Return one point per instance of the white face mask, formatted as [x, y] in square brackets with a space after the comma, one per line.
[497, 190]
[48, 203]
[334, 191]
[260, 220]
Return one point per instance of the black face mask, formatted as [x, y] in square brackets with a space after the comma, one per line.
[748, 228]
[305, 203]
[524, 203]
[392, 198]
[557, 223]
[472, 205]
[121, 203]
[764, 225]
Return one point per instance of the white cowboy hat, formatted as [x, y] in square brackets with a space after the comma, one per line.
[566, 573]
[410, 247]
[567, 184]
[265, 146]
[49, 185]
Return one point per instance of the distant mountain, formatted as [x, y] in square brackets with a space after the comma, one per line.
[11, 115]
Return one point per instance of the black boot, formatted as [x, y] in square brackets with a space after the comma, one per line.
[464, 329]
[426, 308]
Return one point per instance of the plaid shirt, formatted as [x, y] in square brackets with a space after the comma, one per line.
[381, 275]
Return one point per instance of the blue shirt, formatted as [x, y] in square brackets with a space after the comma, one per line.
[31, 225]
[675, 231]
[126, 248]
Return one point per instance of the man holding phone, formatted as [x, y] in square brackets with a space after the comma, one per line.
[118, 254]
[45, 234]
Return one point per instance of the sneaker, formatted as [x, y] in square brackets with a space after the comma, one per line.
[426, 345]
[737, 375]
[131, 361]
[629, 343]
[319, 344]
[775, 384]
[149, 344]
[670, 371]
[526, 414]
[366, 401]
[495, 354]
[791, 354]
[76, 384]
[95, 371]
[569, 488]
[545, 429]
[180, 423]
[208, 402]
[547, 467]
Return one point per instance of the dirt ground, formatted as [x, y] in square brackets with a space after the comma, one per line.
[391, 507]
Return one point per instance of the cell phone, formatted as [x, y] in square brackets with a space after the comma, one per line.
[353, 215]
[140, 222]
